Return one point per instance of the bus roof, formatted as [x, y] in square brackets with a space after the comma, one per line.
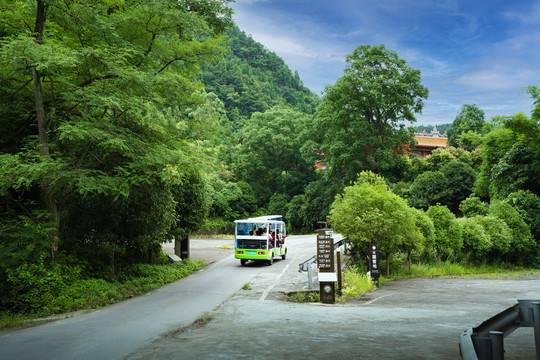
[262, 219]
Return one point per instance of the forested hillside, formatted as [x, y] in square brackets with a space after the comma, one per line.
[249, 78]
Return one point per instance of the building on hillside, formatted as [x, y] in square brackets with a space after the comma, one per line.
[426, 143]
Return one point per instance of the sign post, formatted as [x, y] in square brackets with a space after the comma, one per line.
[373, 255]
[325, 261]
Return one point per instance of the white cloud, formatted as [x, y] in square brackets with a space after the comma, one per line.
[530, 17]
[459, 61]
[496, 78]
[250, 2]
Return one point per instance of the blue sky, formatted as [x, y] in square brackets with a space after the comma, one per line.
[468, 51]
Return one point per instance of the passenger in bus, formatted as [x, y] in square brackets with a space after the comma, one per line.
[279, 238]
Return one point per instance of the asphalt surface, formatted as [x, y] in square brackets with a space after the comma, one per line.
[115, 331]
[407, 319]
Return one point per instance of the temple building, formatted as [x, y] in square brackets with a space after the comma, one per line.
[426, 143]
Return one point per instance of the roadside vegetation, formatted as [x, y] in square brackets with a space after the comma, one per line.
[304, 297]
[356, 282]
[42, 293]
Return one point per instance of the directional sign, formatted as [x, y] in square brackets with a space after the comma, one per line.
[373, 255]
[325, 261]
[325, 251]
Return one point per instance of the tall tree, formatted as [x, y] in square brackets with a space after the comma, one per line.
[470, 118]
[369, 213]
[362, 117]
[88, 76]
[269, 158]
[448, 233]
[510, 157]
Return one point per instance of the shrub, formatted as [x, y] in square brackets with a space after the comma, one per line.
[356, 283]
[473, 206]
[33, 287]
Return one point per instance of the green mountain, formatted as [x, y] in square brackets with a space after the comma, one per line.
[249, 78]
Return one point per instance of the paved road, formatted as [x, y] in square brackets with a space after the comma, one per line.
[408, 319]
[118, 330]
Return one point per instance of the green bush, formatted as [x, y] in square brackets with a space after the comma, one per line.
[355, 283]
[44, 290]
[33, 287]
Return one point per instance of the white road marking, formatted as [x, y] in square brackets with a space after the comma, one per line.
[265, 293]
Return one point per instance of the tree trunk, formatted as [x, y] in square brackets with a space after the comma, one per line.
[409, 260]
[111, 263]
[438, 257]
[177, 247]
[48, 196]
[388, 265]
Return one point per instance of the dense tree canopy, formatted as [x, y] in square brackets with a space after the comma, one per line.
[448, 234]
[89, 86]
[469, 119]
[361, 120]
[510, 157]
[249, 78]
[368, 213]
[522, 244]
[476, 244]
[269, 157]
[428, 189]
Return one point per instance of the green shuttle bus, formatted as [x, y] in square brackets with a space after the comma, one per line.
[260, 239]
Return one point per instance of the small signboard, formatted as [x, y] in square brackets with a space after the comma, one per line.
[373, 255]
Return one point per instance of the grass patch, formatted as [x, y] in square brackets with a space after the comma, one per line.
[203, 320]
[448, 269]
[304, 297]
[247, 286]
[16, 321]
[355, 284]
[225, 247]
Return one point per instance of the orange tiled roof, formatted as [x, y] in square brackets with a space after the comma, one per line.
[429, 141]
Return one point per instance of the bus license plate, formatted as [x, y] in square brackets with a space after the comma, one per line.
[251, 252]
